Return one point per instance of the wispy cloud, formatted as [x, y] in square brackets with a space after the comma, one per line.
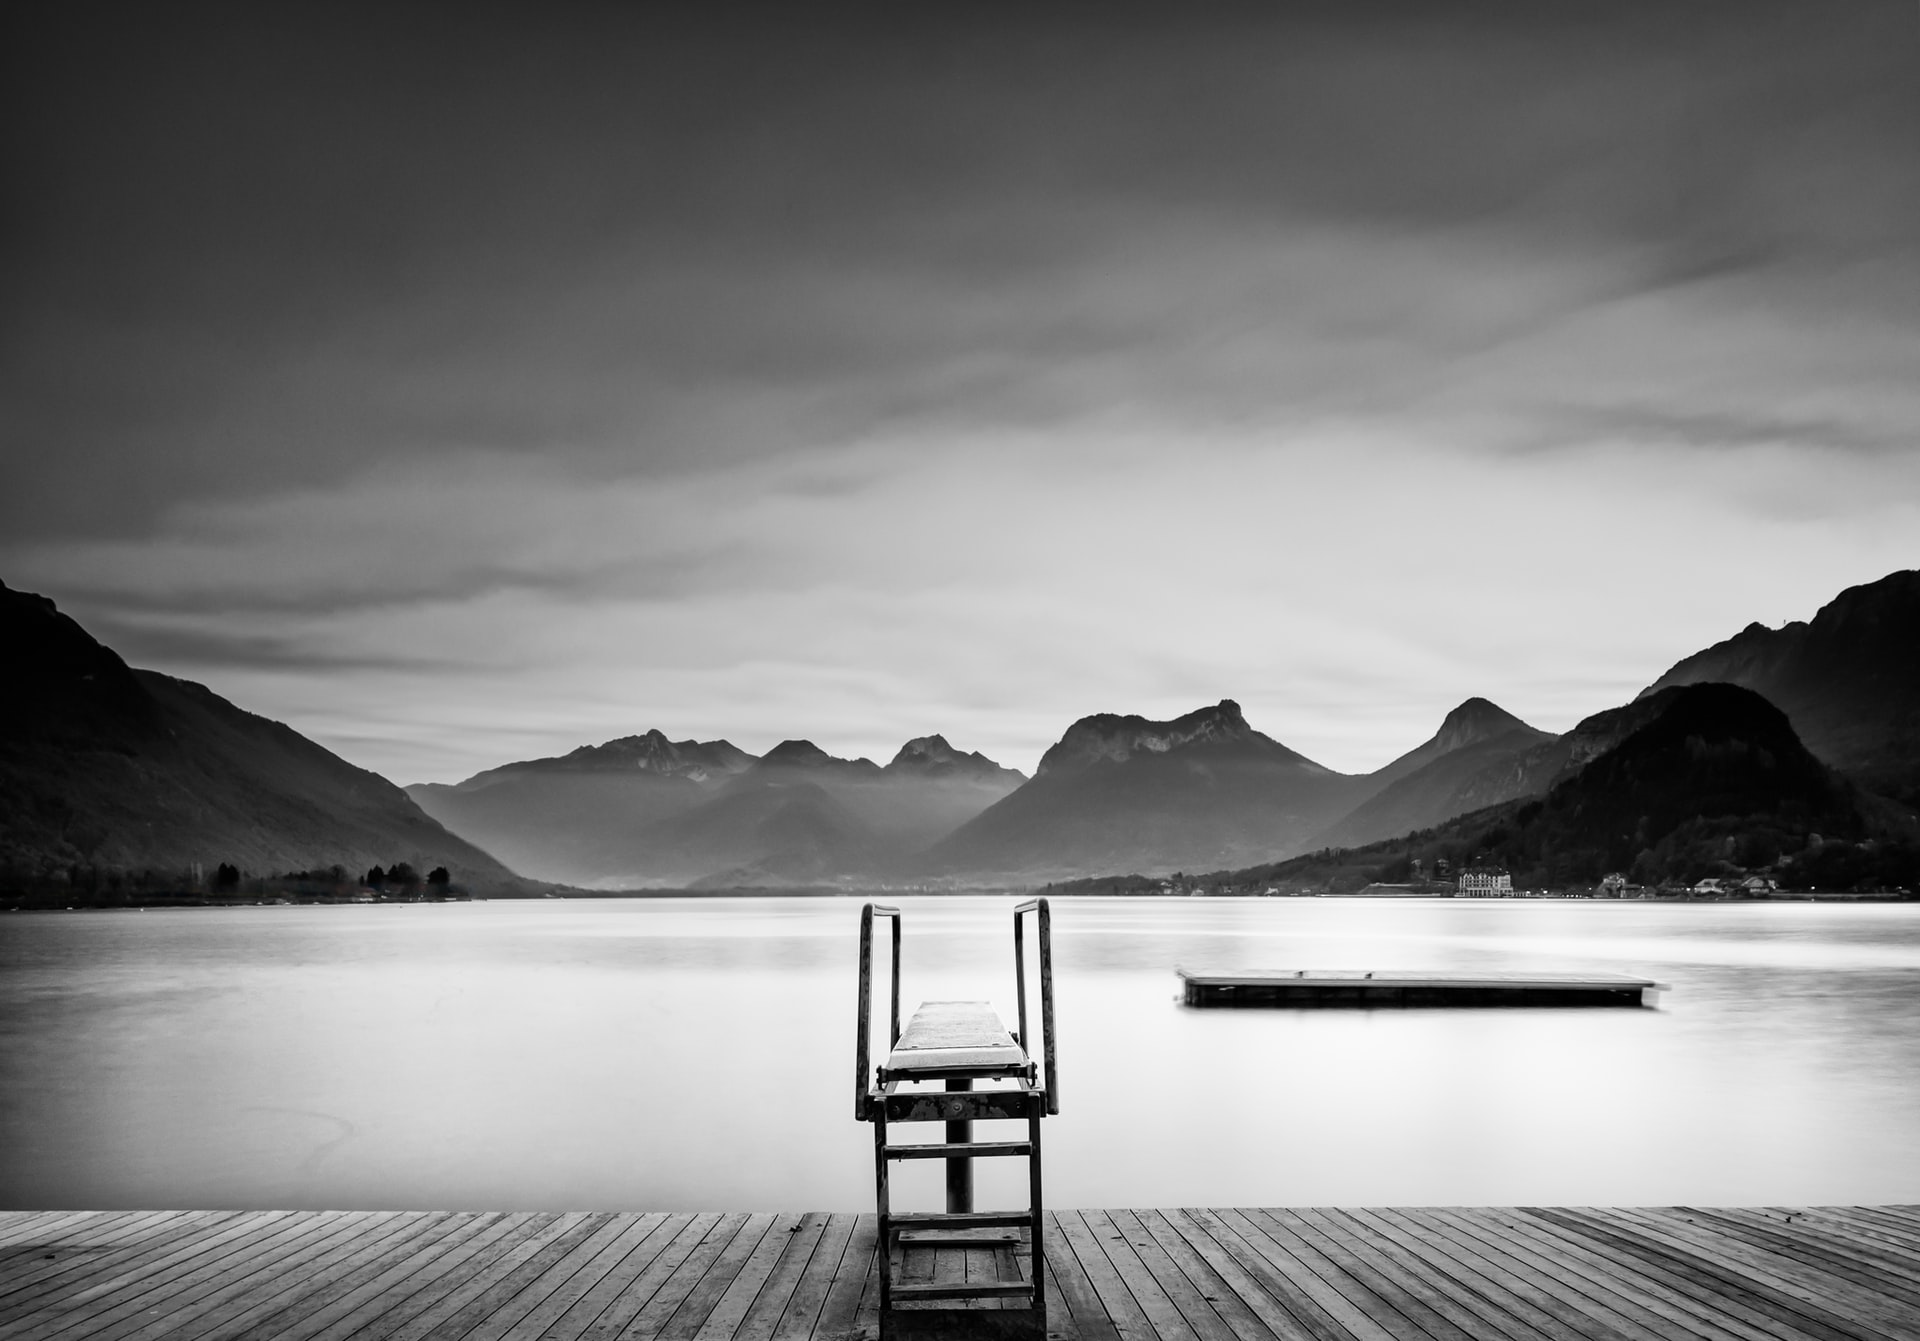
[581, 374]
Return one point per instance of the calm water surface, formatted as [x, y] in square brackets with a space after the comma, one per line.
[653, 1054]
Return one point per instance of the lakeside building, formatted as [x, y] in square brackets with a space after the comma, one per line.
[1485, 885]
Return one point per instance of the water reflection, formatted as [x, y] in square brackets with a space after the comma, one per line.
[696, 1055]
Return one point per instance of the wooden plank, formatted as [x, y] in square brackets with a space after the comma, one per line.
[423, 1284]
[699, 1302]
[1296, 1299]
[1736, 1286]
[809, 1295]
[30, 1231]
[29, 1226]
[84, 1246]
[123, 1263]
[852, 1276]
[1305, 1274]
[1199, 1312]
[388, 1280]
[1724, 1293]
[1682, 1306]
[1430, 1244]
[144, 1280]
[104, 1305]
[483, 1259]
[271, 1299]
[1415, 1301]
[1414, 1250]
[1579, 1307]
[1902, 1254]
[734, 1301]
[1164, 1315]
[1128, 1319]
[634, 1232]
[197, 1303]
[462, 1308]
[638, 1271]
[1626, 1302]
[1463, 1309]
[668, 1280]
[789, 1267]
[1066, 1277]
[1345, 1298]
[559, 1267]
[1860, 1308]
[1868, 1266]
[1864, 1220]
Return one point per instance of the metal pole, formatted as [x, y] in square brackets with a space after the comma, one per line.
[959, 1168]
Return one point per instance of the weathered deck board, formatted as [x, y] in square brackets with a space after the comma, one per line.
[1297, 1274]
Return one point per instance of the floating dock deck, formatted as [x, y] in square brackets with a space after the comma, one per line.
[1357, 987]
[1505, 1274]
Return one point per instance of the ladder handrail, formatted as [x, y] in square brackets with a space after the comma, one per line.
[1045, 919]
[863, 1091]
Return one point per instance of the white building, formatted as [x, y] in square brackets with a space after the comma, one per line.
[1486, 885]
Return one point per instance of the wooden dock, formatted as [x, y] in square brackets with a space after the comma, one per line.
[1503, 1274]
[1358, 987]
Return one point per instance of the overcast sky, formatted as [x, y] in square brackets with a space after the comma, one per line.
[470, 384]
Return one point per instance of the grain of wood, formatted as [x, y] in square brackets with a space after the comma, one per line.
[858, 1268]
[272, 1299]
[789, 1267]
[1706, 1271]
[808, 1297]
[425, 1281]
[1305, 1274]
[685, 1266]
[1197, 1306]
[125, 1263]
[454, 1313]
[146, 1281]
[1432, 1245]
[1124, 1313]
[737, 1299]
[1464, 1309]
[1418, 1303]
[1071, 1285]
[1359, 1311]
[700, 1301]
[84, 1246]
[1669, 1300]
[1627, 1305]
[589, 1264]
[1861, 1308]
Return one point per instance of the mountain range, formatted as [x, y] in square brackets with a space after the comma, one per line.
[1688, 781]
[1848, 680]
[647, 811]
[105, 764]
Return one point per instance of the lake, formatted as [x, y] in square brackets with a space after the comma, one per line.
[697, 1054]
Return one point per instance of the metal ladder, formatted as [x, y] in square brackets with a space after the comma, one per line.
[957, 1043]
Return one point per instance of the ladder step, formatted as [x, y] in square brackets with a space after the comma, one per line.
[959, 1149]
[966, 1238]
[961, 1220]
[1008, 1291]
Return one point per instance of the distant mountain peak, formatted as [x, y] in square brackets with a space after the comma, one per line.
[1111, 738]
[797, 753]
[932, 756]
[1475, 720]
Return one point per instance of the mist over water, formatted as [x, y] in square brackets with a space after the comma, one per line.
[698, 1054]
